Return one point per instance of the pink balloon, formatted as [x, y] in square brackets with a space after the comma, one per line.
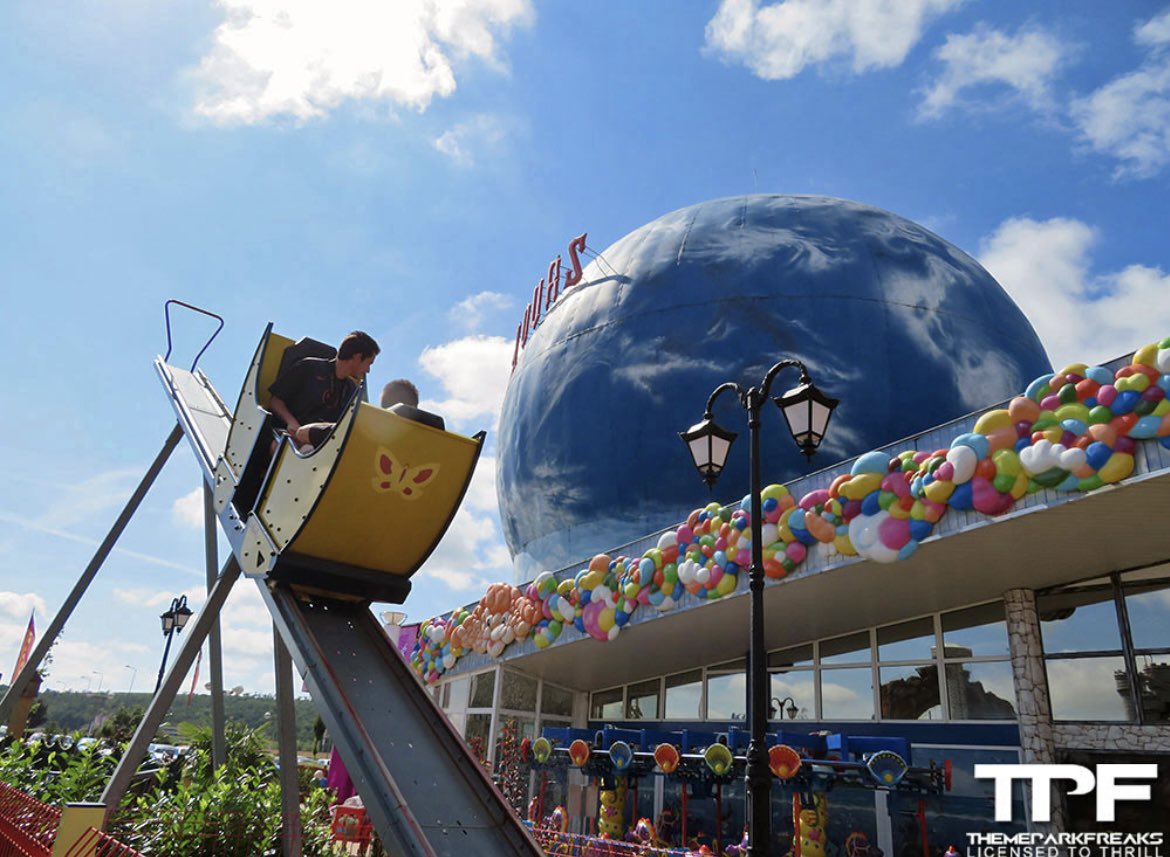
[796, 552]
[894, 532]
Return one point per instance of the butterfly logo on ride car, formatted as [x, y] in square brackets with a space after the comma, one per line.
[391, 474]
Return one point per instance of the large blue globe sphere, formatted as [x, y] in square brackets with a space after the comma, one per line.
[905, 329]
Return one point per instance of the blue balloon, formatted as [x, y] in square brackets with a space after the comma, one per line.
[1097, 454]
[919, 530]
[870, 505]
[961, 498]
[1146, 427]
[979, 443]
[1125, 402]
[1033, 389]
[1099, 374]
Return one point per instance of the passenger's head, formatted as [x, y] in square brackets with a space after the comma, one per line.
[400, 391]
[358, 351]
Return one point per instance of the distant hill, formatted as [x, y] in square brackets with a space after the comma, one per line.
[71, 711]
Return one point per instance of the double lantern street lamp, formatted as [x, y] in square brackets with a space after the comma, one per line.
[807, 411]
[174, 620]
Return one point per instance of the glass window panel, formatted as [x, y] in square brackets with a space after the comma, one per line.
[907, 641]
[847, 694]
[969, 806]
[459, 688]
[476, 734]
[910, 693]
[606, 704]
[799, 686]
[483, 688]
[1149, 618]
[1089, 689]
[797, 656]
[1079, 621]
[556, 700]
[642, 700]
[727, 697]
[850, 649]
[518, 692]
[982, 690]
[1154, 684]
[523, 727]
[684, 692]
[980, 631]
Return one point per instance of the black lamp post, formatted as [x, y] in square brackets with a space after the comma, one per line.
[778, 705]
[173, 621]
[807, 411]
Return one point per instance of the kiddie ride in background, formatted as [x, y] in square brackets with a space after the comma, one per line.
[806, 767]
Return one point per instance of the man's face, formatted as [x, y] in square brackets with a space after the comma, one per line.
[363, 366]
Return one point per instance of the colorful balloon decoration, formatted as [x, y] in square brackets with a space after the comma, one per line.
[1072, 430]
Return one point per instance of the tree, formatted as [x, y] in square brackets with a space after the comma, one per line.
[122, 724]
[318, 734]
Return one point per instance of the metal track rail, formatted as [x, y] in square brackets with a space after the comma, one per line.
[425, 793]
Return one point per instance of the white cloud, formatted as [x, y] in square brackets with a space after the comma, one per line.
[461, 142]
[146, 597]
[1079, 316]
[1155, 31]
[470, 556]
[481, 493]
[474, 372]
[1129, 118]
[470, 312]
[92, 498]
[17, 605]
[302, 58]
[778, 40]
[188, 509]
[1025, 63]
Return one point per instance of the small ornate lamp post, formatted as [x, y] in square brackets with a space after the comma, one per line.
[778, 705]
[807, 411]
[173, 621]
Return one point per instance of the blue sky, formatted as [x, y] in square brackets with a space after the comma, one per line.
[410, 168]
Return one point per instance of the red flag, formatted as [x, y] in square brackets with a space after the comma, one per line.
[30, 637]
[195, 678]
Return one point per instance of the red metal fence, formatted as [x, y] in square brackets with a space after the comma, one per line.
[574, 845]
[27, 826]
[97, 844]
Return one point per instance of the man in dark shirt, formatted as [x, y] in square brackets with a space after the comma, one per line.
[309, 396]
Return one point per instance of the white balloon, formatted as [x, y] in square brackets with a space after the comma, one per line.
[567, 610]
[964, 460]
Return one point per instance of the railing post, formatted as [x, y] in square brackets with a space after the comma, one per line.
[73, 835]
